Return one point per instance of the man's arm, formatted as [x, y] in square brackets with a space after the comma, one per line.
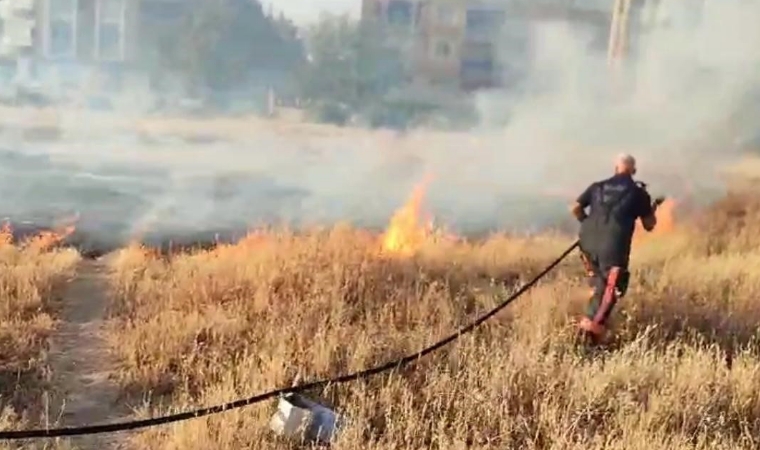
[578, 209]
[649, 222]
[647, 211]
[579, 212]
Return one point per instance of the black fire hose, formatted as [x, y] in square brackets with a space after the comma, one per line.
[202, 412]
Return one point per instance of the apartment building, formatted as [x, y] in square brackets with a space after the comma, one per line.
[80, 41]
[479, 43]
[73, 30]
[428, 35]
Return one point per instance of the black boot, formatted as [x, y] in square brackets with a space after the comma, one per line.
[587, 340]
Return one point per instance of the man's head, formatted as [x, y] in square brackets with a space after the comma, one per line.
[625, 164]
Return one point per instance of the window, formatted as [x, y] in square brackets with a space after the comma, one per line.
[400, 12]
[484, 20]
[479, 50]
[110, 33]
[477, 20]
[477, 74]
[59, 35]
[61, 38]
[110, 41]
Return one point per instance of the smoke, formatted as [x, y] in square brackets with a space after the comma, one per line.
[678, 106]
[674, 104]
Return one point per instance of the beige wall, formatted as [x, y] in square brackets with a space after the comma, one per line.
[440, 41]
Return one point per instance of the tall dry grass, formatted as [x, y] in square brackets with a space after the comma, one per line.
[31, 278]
[682, 371]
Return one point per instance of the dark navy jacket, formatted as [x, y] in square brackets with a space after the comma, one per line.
[615, 205]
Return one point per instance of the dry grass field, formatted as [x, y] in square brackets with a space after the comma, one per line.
[31, 275]
[682, 369]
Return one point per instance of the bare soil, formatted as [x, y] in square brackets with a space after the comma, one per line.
[83, 391]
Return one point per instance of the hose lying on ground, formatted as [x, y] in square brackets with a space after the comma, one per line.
[202, 412]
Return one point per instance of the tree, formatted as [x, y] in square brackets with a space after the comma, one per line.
[353, 71]
[218, 43]
[331, 49]
[348, 63]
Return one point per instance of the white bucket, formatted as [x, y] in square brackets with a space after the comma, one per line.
[297, 416]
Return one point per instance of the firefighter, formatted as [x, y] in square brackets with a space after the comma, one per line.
[606, 233]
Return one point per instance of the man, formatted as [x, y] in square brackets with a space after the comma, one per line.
[605, 239]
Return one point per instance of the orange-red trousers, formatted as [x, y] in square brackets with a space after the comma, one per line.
[607, 283]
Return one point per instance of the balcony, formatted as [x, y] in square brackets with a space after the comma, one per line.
[21, 6]
[18, 33]
[589, 6]
[478, 51]
[592, 11]
[484, 16]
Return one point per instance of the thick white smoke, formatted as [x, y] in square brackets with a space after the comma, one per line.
[679, 109]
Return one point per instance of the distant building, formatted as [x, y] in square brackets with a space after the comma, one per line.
[80, 39]
[73, 30]
[475, 44]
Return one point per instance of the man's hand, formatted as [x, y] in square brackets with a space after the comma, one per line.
[579, 212]
[650, 221]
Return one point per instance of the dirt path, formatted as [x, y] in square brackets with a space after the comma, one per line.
[83, 393]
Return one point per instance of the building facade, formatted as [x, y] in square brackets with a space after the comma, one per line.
[480, 43]
[93, 44]
[75, 30]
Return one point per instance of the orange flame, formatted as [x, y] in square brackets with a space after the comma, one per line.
[42, 241]
[6, 234]
[254, 239]
[48, 239]
[407, 232]
[666, 220]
